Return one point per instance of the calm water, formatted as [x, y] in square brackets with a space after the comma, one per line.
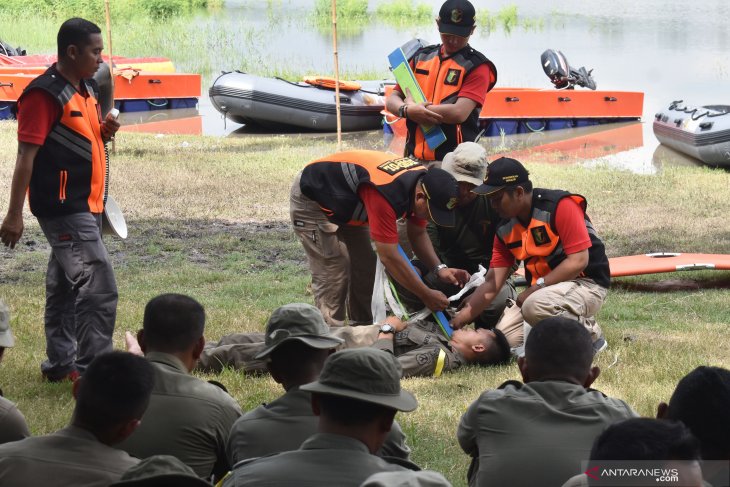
[669, 49]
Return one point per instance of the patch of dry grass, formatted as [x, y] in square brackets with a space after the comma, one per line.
[209, 217]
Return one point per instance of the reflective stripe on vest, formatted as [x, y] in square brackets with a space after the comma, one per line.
[72, 157]
[333, 182]
[538, 245]
[440, 80]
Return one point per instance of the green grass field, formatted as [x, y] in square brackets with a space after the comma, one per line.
[209, 217]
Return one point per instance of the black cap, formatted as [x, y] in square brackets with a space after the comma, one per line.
[456, 17]
[441, 191]
[502, 173]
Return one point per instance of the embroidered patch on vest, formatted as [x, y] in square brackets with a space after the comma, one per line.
[452, 77]
[540, 235]
[397, 165]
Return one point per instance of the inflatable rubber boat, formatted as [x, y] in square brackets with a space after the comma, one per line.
[701, 132]
[277, 103]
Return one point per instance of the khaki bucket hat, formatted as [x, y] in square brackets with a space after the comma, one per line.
[301, 322]
[365, 374]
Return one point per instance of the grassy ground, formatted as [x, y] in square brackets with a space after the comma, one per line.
[208, 217]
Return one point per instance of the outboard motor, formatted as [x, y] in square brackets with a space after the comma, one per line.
[556, 67]
[8, 50]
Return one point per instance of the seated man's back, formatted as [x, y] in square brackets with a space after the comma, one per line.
[284, 424]
[187, 417]
[111, 397]
[539, 432]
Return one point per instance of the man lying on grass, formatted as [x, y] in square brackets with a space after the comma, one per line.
[419, 345]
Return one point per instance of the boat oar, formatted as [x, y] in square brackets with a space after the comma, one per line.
[337, 75]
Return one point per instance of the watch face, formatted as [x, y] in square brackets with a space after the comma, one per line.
[386, 328]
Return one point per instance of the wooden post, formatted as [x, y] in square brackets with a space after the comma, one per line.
[337, 75]
[107, 14]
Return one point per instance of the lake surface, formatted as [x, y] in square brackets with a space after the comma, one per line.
[669, 49]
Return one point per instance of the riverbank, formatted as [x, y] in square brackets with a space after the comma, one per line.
[209, 217]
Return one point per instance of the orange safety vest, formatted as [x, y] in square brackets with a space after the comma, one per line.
[440, 79]
[333, 182]
[538, 244]
[70, 168]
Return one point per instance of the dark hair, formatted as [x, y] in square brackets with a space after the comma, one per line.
[294, 361]
[75, 32]
[498, 352]
[116, 387]
[350, 412]
[559, 347]
[702, 402]
[526, 186]
[172, 323]
[646, 439]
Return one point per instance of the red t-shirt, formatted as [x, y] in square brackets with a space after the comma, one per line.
[37, 114]
[571, 228]
[381, 216]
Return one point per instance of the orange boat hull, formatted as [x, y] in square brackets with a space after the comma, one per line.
[533, 103]
[129, 85]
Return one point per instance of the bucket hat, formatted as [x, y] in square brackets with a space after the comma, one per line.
[364, 374]
[297, 321]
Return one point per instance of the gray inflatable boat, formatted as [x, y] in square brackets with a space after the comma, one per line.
[279, 104]
[700, 132]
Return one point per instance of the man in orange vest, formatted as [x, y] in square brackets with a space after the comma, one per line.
[454, 78]
[61, 164]
[340, 202]
[565, 262]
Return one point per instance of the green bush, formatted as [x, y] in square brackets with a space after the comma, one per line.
[94, 9]
[404, 12]
[347, 10]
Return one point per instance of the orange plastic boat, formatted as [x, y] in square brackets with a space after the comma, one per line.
[38, 63]
[533, 103]
[133, 90]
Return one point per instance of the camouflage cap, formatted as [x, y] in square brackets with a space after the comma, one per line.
[159, 470]
[365, 374]
[297, 321]
[6, 336]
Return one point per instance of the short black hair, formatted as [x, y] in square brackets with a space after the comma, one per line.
[172, 323]
[646, 439]
[526, 186]
[498, 353]
[115, 387]
[559, 347]
[350, 412]
[701, 400]
[75, 32]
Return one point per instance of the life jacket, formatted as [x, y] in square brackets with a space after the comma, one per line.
[440, 79]
[538, 245]
[69, 169]
[333, 182]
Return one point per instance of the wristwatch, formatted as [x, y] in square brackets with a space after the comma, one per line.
[402, 110]
[387, 328]
[540, 282]
[438, 268]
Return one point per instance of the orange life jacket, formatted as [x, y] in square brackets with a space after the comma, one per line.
[333, 182]
[538, 244]
[440, 79]
[69, 169]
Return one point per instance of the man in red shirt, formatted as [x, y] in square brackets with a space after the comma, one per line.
[61, 164]
[565, 262]
[340, 202]
[454, 78]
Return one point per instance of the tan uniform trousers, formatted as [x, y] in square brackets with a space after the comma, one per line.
[579, 299]
[341, 259]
